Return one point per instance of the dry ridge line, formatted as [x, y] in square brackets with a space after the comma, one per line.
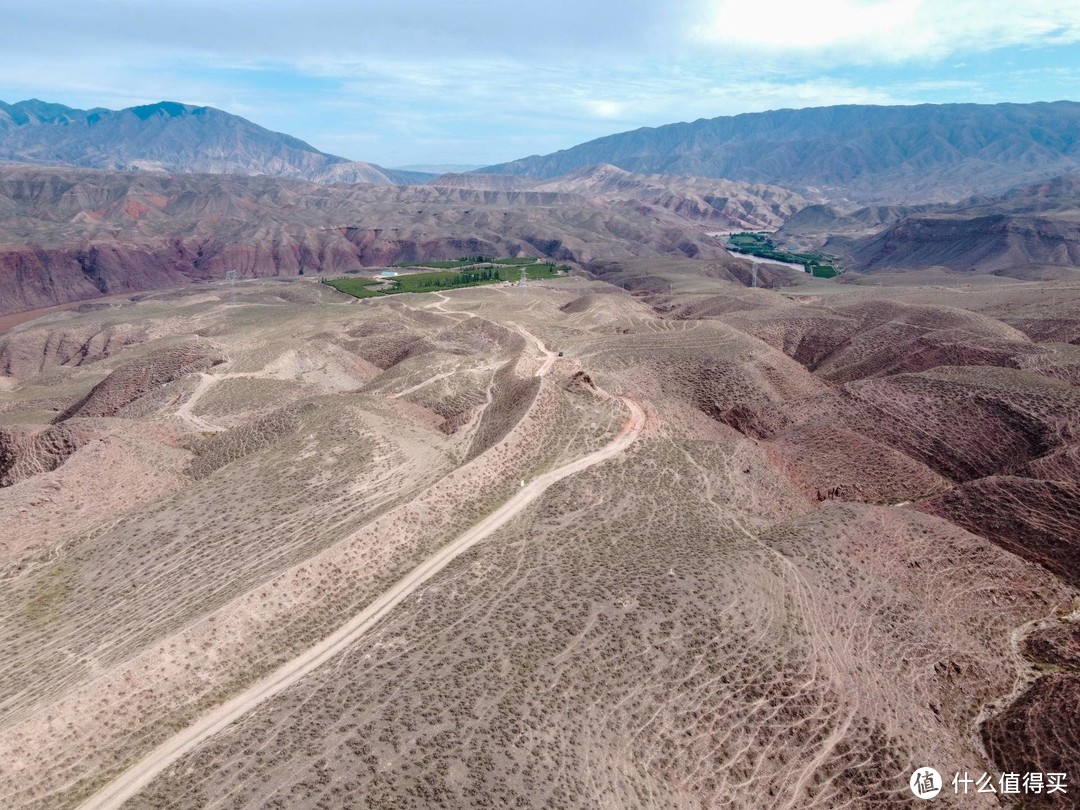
[135, 778]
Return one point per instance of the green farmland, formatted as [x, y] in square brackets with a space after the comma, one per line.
[446, 279]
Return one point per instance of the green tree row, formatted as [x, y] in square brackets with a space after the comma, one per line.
[464, 278]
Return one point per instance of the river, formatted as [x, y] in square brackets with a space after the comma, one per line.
[762, 260]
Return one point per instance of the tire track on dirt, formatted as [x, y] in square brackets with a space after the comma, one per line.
[135, 778]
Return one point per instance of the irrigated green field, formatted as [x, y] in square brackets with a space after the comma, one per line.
[446, 280]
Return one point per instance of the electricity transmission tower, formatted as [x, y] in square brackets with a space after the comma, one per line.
[524, 278]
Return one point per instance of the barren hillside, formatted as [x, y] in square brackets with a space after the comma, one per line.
[69, 235]
[720, 204]
[1026, 232]
[655, 540]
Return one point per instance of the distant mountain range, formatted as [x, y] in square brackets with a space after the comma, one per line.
[873, 185]
[922, 153]
[439, 168]
[172, 137]
[846, 155]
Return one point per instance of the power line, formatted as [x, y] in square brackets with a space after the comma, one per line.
[230, 276]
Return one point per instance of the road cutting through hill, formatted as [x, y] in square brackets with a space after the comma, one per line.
[137, 777]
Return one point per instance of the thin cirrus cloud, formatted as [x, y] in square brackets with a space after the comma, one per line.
[482, 81]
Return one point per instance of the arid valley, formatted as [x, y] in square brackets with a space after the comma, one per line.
[725, 463]
[796, 575]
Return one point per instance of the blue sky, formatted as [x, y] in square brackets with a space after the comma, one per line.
[478, 81]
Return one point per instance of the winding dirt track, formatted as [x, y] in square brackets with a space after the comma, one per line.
[135, 778]
[549, 356]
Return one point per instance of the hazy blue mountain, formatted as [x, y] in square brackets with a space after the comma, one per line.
[172, 137]
[868, 153]
[439, 168]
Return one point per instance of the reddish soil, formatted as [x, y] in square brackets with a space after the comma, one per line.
[1040, 733]
[739, 608]
[1038, 520]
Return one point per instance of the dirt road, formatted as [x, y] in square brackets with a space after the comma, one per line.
[131, 781]
[549, 356]
[184, 411]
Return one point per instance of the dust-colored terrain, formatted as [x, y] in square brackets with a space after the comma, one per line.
[1028, 232]
[645, 539]
[77, 234]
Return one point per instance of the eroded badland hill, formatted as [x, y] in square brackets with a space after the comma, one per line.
[643, 538]
[71, 235]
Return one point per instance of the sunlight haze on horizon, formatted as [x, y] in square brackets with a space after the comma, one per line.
[480, 83]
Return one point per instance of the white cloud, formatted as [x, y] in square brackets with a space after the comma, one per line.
[854, 31]
[600, 108]
[804, 25]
